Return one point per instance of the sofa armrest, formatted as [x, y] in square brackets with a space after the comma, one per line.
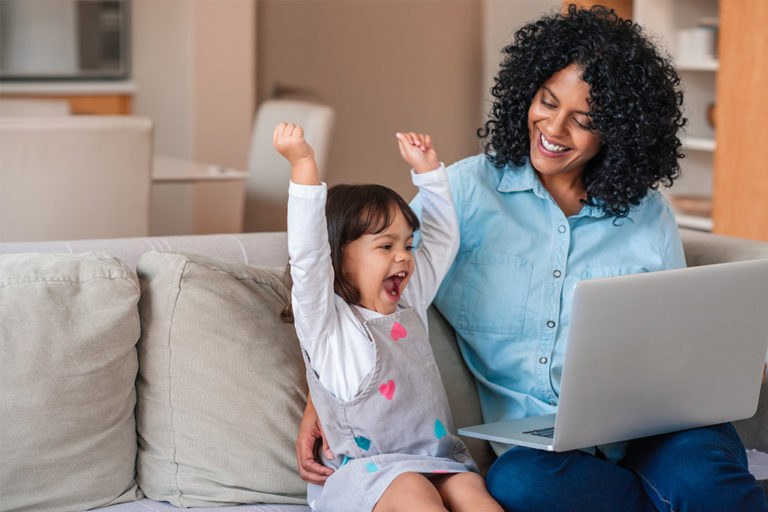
[754, 431]
[706, 248]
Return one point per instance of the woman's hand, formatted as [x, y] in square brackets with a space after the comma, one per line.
[310, 431]
[417, 150]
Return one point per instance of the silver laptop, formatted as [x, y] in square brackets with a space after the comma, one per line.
[653, 353]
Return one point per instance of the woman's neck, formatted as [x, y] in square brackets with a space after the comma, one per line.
[566, 189]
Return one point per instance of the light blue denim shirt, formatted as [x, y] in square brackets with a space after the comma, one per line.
[508, 293]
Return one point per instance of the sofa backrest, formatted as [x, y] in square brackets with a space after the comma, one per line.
[267, 249]
[270, 249]
[706, 248]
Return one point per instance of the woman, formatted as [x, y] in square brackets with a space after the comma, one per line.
[582, 132]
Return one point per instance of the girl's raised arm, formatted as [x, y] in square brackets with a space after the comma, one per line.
[312, 297]
[439, 233]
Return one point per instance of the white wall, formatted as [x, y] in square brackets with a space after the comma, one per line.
[383, 66]
[194, 62]
[225, 80]
[163, 69]
[501, 19]
[194, 67]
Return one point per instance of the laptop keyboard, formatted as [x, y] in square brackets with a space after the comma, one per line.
[543, 432]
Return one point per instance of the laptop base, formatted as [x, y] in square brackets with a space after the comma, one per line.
[517, 432]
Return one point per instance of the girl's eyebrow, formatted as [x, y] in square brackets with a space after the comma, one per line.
[390, 236]
[376, 236]
[555, 97]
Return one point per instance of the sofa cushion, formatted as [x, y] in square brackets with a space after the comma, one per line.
[221, 385]
[459, 386]
[68, 331]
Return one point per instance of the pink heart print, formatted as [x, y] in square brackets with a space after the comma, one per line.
[398, 331]
[388, 389]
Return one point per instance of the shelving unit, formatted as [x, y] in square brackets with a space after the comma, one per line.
[87, 97]
[675, 25]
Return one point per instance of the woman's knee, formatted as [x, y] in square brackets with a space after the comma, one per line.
[515, 478]
[701, 469]
[526, 479]
[678, 450]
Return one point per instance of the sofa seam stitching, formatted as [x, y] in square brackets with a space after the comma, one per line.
[61, 280]
[177, 290]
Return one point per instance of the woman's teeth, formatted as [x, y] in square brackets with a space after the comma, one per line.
[552, 147]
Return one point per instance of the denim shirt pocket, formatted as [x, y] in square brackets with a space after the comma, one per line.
[495, 293]
[596, 273]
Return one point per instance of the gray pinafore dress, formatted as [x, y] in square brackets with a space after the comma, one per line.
[399, 421]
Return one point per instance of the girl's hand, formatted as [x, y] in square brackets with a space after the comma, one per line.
[417, 150]
[288, 140]
[310, 431]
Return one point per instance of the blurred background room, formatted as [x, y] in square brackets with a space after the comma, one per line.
[211, 76]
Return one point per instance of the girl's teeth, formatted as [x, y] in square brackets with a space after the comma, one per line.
[551, 147]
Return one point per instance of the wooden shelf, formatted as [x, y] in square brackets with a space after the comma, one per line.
[96, 104]
[84, 97]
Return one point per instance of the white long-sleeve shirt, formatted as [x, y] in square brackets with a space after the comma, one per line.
[328, 329]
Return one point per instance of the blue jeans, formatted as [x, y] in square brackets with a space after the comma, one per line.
[701, 469]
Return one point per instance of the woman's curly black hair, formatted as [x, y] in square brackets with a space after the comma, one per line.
[635, 103]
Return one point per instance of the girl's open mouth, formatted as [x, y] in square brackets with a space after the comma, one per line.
[392, 284]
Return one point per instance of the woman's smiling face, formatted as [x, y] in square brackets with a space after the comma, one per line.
[559, 124]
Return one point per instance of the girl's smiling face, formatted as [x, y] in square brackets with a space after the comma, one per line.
[559, 125]
[379, 265]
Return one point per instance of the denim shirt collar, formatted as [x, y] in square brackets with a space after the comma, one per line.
[522, 178]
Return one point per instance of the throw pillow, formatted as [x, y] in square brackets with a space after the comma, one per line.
[221, 385]
[68, 331]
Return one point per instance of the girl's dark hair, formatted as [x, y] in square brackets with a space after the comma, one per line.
[635, 104]
[352, 211]
[356, 210]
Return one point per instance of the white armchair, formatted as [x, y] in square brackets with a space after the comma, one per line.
[268, 172]
[74, 177]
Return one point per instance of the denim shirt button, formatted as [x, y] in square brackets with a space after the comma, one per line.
[556, 273]
[561, 229]
[550, 324]
[543, 360]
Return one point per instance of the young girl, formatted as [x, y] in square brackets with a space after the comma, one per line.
[359, 305]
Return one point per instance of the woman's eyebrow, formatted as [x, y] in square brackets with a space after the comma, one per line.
[549, 91]
[556, 99]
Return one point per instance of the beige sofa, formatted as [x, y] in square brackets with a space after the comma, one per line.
[180, 384]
